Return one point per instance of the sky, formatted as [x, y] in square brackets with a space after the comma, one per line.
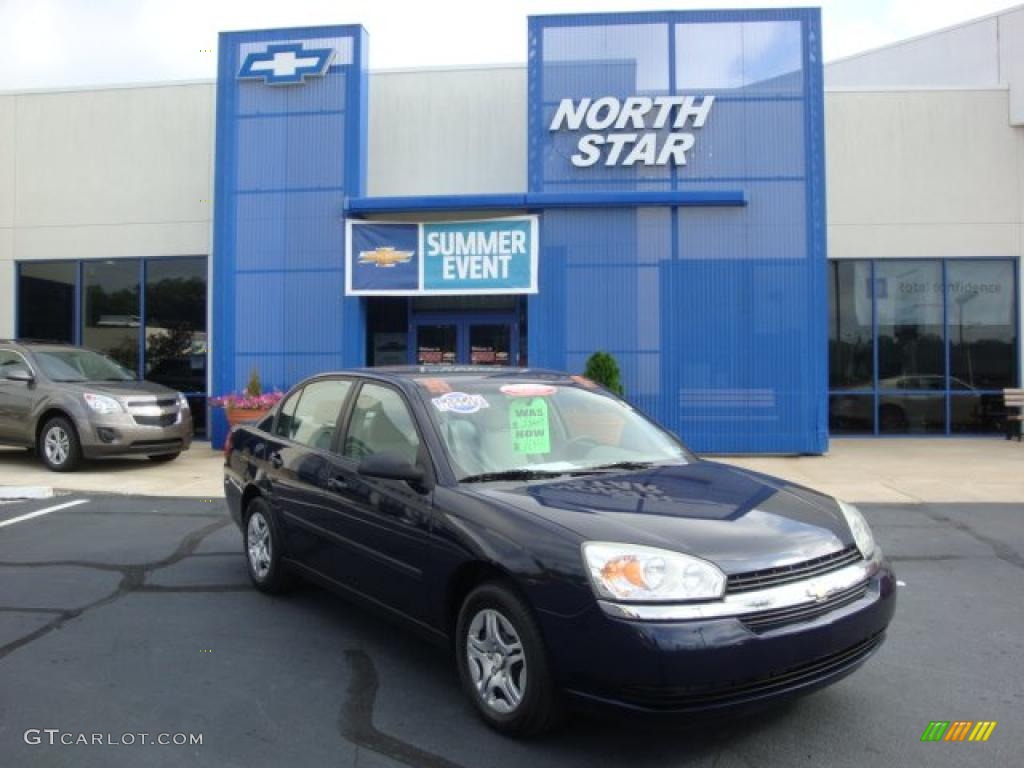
[68, 43]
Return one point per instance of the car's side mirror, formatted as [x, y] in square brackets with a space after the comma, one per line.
[19, 373]
[388, 466]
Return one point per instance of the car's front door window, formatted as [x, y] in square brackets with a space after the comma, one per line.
[381, 423]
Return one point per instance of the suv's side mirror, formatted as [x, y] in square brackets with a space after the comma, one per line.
[19, 372]
[390, 467]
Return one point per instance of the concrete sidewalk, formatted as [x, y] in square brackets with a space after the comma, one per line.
[887, 470]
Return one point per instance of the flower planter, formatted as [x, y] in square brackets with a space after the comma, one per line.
[238, 416]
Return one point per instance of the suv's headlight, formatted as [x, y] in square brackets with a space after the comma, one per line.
[102, 403]
[182, 402]
[632, 572]
[859, 528]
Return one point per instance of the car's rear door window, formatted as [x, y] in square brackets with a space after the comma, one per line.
[314, 420]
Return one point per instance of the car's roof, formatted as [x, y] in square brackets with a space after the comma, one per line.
[447, 371]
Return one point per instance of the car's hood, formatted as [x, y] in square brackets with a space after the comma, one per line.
[740, 520]
[122, 388]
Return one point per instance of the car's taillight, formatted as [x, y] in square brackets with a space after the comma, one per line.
[228, 445]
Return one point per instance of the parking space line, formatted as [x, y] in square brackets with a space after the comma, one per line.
[39, 512]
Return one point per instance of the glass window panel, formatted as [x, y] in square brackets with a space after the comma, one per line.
[46, 301]
[759, 55]
[435, 344]
[849, 328]
[908, 302]
[851, 414]
[176, 323]
[912, 414]
[110, 309]
[981, 310]
[381, 423]
[489, 344]
[976, 414]
[316, 417]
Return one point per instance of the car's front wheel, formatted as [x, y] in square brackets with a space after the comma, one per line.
[502, 663]
[58, 445]
[263, 549]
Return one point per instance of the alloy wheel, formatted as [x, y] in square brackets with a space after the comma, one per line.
[497, 662]
[57, 445]
[258, 545]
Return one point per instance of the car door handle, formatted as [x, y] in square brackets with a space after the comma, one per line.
[276, 461]
[337, 484]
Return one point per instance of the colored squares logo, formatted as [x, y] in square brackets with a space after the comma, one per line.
[958, 730]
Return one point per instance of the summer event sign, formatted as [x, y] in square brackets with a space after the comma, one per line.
[441, 257]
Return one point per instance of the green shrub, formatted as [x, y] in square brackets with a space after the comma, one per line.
[255, 387]
[603, 369]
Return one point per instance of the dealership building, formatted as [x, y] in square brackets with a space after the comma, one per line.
[774, 249]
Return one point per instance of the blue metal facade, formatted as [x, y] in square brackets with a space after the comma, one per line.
[717, 315]
[706, 280]
[287, 156]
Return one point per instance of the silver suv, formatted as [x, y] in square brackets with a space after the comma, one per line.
[66, 403]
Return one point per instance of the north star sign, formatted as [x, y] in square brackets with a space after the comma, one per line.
[286, 64]
[625, 131]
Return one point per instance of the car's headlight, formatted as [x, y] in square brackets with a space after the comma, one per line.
[859, 528]
[182, 402]
[632, 572]
[102, 403]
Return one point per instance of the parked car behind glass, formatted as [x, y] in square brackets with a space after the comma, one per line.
[68, 402]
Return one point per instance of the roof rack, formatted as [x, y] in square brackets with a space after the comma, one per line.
[36, 341]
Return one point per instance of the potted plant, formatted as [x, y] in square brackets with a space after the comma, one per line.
[250, 405]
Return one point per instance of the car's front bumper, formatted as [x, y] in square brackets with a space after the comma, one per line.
[708, 664]
[119, 435]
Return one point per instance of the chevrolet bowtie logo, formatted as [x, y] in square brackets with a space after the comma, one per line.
[286, 63]
[384, 256]
[818, 592]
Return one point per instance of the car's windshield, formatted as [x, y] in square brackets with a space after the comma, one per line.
[79, 365]
[495, 427]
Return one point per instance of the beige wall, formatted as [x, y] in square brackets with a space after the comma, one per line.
[447, 132]
[923, 173]
[103, 173]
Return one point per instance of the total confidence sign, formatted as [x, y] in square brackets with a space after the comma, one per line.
[441, 257]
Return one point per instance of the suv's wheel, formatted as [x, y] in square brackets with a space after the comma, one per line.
[502, 663]
[58, 445]
[263, 549]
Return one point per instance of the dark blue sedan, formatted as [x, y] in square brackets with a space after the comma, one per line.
[565, 547]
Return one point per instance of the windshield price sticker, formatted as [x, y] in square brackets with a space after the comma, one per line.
[530, 426]
[460, 402]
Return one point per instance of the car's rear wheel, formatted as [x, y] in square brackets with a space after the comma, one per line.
[161, 457]
[502, 663]
[58, 445]
[263, 549]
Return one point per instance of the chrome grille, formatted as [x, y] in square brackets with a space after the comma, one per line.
[772, 577]
[154, 411]
[767, 620]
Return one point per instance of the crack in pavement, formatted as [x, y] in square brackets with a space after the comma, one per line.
[133, 577]
[1001, 550]
[355, 720]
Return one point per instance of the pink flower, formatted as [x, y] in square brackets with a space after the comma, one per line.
[240, 401]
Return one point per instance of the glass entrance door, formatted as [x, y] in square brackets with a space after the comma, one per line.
[477, 339]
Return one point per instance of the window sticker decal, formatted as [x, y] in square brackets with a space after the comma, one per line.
[460, 402]
[527, 390]
[530, 426]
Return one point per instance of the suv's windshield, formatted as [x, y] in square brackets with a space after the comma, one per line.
[79, 365]
[505, 428]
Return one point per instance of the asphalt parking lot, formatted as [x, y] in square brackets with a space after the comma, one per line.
[128, 615]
